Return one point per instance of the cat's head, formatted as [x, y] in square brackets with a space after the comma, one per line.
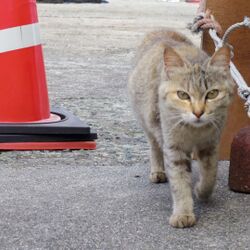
[197, 94]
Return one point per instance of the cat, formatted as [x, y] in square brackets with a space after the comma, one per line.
[180, 96]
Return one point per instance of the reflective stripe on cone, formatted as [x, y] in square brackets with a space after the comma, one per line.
[19, 37]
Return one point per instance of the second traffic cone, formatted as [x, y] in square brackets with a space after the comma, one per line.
[26, 121]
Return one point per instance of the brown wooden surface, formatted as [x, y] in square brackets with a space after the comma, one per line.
[228, 12]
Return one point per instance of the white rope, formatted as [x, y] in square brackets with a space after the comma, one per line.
[245, 23]
[243, 89]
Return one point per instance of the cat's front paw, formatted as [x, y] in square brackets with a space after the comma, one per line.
[201, 193]
[158, 177]
[182, 220]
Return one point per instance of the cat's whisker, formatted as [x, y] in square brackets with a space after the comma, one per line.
[176, 124]
[174, 117]
[214, 121]
[215, 125]
[175, 113]
[182, 124]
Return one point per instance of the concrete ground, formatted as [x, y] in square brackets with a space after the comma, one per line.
[102, 199]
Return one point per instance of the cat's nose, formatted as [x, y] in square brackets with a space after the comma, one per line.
[198, 114]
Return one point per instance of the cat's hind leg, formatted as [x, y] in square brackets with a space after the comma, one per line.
[207, 160]
[157, 174]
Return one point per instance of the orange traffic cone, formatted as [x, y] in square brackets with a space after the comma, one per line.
[26, 122]
[23, 90]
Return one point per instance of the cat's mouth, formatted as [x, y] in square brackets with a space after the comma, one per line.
[198, 123]
[195, 121]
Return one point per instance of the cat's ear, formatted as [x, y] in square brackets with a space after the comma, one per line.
[172, 61]
[221, 58]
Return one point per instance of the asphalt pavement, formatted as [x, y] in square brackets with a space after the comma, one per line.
[103, 199]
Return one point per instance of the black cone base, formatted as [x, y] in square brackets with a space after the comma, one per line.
[68, 133]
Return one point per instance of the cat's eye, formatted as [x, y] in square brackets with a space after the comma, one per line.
[183, 95]
[212, 94]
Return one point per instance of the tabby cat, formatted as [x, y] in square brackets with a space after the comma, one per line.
[180, 97]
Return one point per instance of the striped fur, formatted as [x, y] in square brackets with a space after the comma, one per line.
[166, 63]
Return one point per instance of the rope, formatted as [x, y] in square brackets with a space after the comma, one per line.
[245, 23]
[243, 89]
